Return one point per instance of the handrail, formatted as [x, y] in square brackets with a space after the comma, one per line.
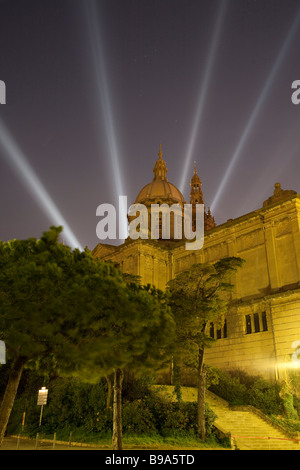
[266, 437]
[263, 416]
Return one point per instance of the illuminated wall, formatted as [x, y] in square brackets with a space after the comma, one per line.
[264, 320]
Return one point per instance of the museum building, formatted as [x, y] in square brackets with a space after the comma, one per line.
[262, 327]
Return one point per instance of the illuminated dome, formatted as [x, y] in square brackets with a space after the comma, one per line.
[160, 190]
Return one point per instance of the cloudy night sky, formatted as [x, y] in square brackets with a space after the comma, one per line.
[94, 86]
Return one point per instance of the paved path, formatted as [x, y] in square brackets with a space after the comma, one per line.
[10, 443]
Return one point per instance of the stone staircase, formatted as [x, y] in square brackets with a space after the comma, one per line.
[249, 430]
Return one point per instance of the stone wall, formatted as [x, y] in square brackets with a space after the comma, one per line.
[266, 296]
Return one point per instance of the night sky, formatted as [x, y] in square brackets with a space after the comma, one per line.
[91, 92]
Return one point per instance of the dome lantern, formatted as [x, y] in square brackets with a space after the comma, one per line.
[160, 170]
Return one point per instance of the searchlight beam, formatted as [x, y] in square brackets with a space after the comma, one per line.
[203, 92]
[257, 109]
[15, 157]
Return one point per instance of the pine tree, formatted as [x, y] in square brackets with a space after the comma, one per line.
[64, 310]
[198, 297]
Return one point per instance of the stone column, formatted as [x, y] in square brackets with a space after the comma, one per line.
[294, 219]
[271, 254]
[232, 251]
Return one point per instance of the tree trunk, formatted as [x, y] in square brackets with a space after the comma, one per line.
[10, 394]
[177, 381]
[109, 379]
[201, 396]
[117, 410]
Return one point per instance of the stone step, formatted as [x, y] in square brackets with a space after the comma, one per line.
[249, 431]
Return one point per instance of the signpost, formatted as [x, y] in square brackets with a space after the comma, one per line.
[42, 400]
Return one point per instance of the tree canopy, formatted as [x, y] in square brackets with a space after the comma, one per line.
[63, 309]
[199, 296]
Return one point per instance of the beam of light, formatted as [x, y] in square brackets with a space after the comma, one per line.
[271, 173]
[289, 365]
[16, 158]
[257, 108]
[204, 91]
[92, 15]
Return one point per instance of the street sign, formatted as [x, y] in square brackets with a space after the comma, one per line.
[42, 400]
[42, 396]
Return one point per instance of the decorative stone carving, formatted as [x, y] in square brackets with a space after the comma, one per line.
[279, 195]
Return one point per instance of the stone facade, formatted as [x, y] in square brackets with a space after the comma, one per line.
[263, 321]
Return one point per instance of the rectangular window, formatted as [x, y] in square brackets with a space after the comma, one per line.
[264, 321]
[256, 323]
[248, 325]
[225, 329]
[219, 333]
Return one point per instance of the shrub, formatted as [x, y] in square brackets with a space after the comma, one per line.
[210, 418]
[81, 407]
[229, 388]
[170, 416]
[175, 418]
[265, 396]
[137, 418]
[104, 421]
[240, 388]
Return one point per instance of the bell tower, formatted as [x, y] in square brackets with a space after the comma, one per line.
[196, 197]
